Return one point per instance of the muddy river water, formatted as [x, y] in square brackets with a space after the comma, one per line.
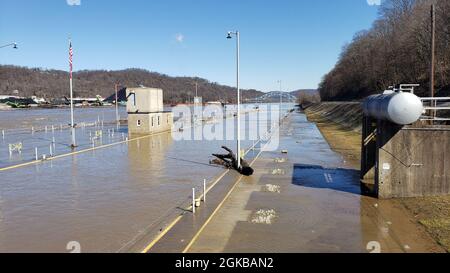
[102, 199]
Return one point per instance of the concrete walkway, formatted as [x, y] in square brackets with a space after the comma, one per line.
[308, 201]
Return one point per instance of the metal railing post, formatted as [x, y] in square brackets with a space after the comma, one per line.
[204, 190]
[193, 200]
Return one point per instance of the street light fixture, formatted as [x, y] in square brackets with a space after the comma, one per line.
[14, 45]
[230, 36]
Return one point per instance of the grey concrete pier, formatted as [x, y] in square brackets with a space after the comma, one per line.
[405, 161]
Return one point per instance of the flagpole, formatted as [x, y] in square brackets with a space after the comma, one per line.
[72, 124]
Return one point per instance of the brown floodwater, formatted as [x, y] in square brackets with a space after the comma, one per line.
[102, 199]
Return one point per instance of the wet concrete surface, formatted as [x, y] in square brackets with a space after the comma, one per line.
[317, 207]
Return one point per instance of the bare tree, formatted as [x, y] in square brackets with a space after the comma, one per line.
[395, 50]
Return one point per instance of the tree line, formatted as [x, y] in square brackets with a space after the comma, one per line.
[89, 83]
[396, 50]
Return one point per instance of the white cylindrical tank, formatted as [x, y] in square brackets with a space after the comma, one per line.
[398, 107]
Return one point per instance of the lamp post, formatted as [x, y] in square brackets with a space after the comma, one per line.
[14, 45]
[72, 122]
[230, 36]
[117, 105]
[281, 99]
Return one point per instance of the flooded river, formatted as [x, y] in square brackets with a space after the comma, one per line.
[103, 199]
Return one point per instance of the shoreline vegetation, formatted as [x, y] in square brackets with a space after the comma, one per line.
[395, 50]
[344, 137]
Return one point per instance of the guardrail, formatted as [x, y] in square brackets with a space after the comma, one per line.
[434, 104]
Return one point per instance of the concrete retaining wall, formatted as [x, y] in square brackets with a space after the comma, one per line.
[413, 161]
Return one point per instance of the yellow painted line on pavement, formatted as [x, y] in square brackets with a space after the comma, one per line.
[194, 239]
[147, 248]
[82, 151]
[78, 152]
[162, 234]
[216, 210]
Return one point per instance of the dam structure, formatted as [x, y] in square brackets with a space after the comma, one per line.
[405, 145]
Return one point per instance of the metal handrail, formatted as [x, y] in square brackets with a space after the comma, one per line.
[435, 98]
[435, 104]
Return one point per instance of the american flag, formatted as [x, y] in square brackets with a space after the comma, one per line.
[71, 59]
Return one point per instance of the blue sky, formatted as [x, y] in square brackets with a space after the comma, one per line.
[296, 41]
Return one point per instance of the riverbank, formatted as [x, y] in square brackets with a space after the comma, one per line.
[304, 199]
[340, 124]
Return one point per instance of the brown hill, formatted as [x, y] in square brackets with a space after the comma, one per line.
[55, 84]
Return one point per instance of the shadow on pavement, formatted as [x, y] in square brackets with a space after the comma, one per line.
[314, 176]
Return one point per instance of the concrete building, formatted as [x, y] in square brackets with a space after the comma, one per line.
[146, 113]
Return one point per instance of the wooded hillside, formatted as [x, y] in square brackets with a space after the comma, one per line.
[395, 50]
[55, 84]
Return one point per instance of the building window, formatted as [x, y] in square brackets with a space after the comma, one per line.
[153, 122]
[159, 120]
[133, 98]
[138, 123]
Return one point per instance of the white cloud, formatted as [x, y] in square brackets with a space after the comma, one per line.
[374, 2]
[73, 2]
[179, 38]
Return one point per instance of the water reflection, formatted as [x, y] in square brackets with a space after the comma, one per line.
[102, 199]
[148, 154]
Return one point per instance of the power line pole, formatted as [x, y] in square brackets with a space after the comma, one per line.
[433, 55]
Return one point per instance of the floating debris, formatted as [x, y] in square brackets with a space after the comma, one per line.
[278, 172]
[265, 217]
[280, 160]
[272, 188]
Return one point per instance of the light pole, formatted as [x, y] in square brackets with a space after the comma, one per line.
[281, 99]
[230, 33]
[72, 122]
[14, 45]
[117, 105]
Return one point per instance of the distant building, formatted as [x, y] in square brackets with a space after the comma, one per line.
[38, 100]
[146, 113]
[198, 101]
